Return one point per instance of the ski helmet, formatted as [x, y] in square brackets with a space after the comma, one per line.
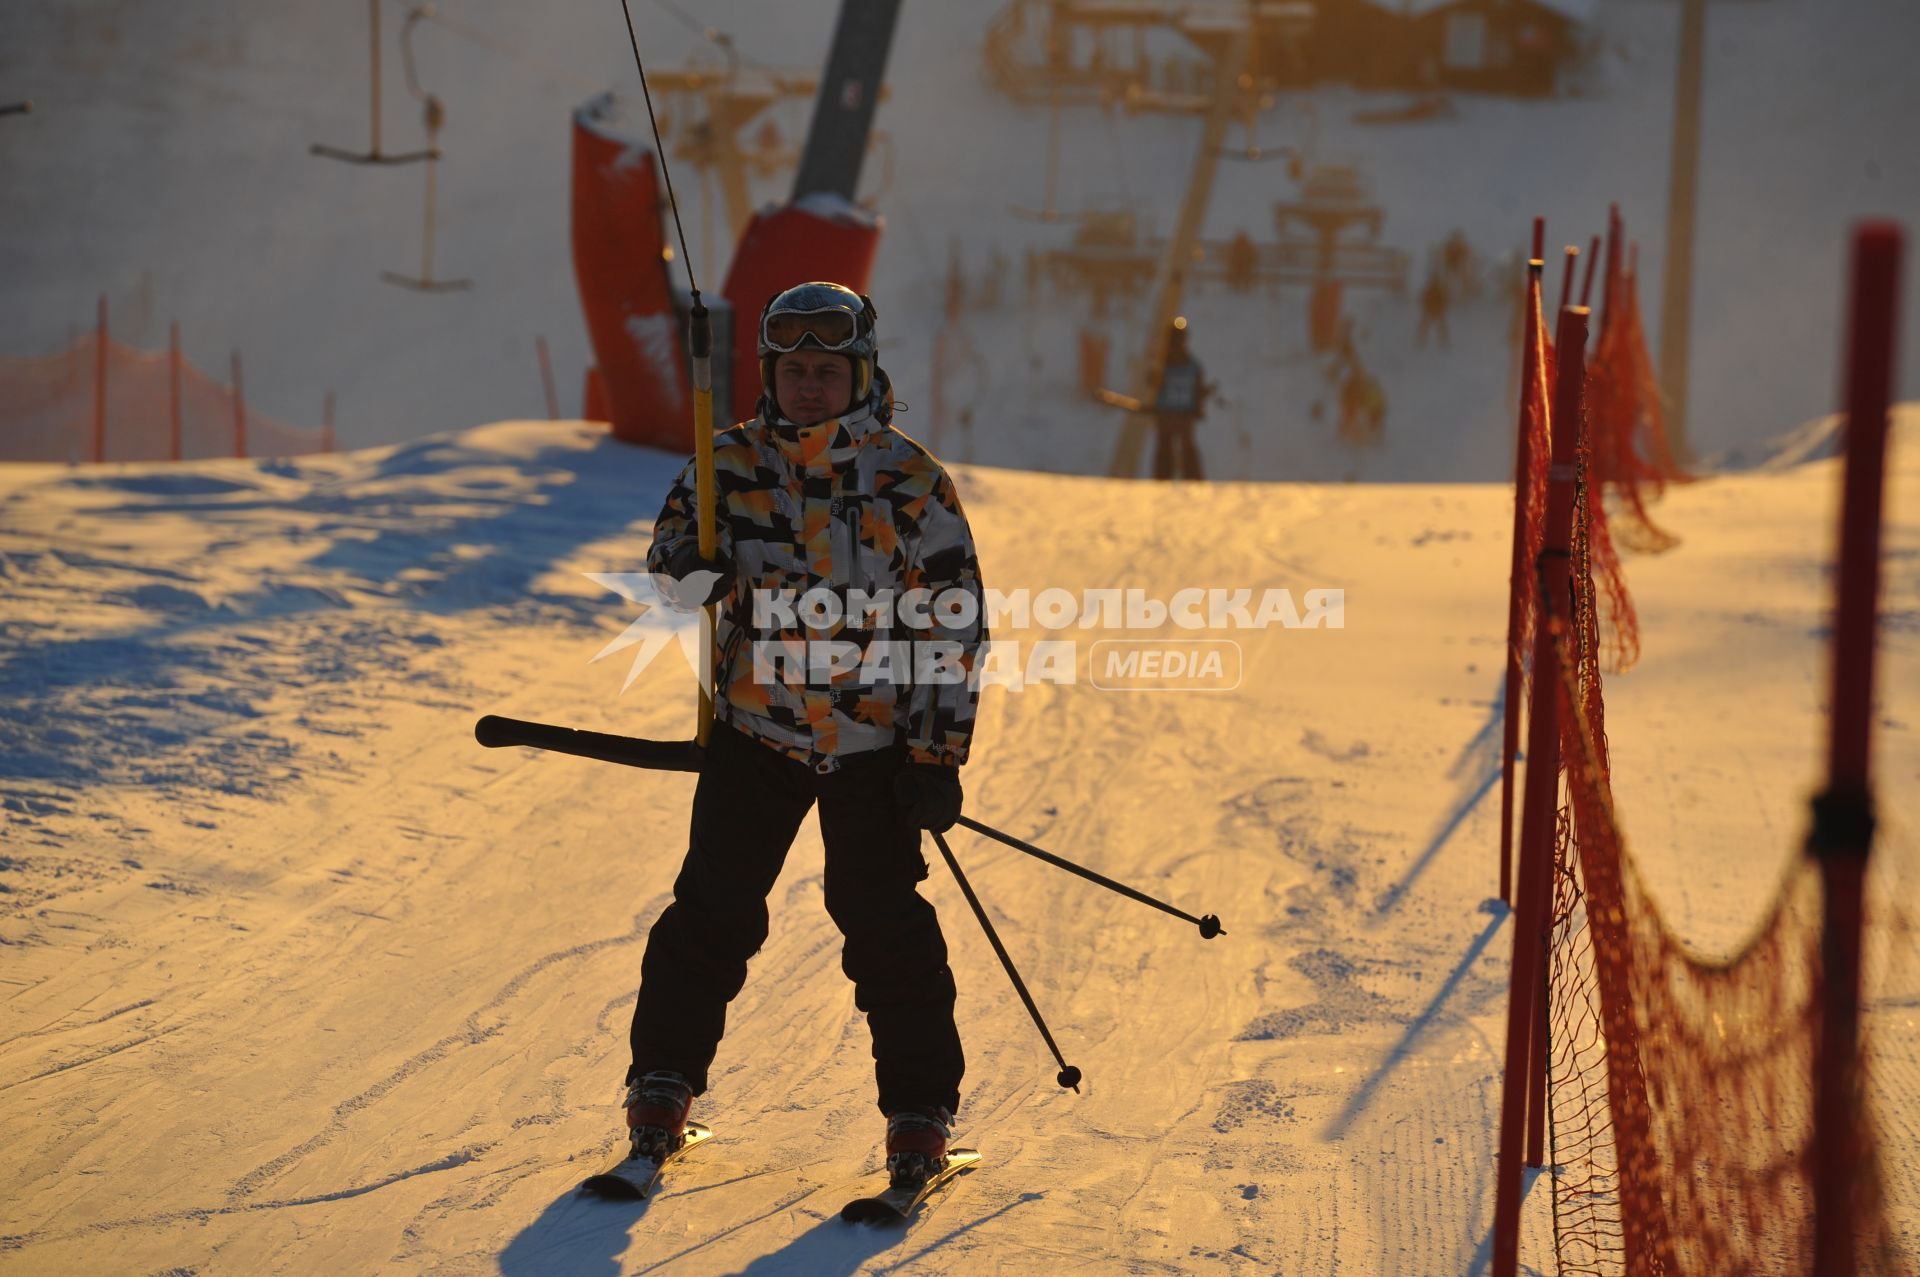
[820, 316]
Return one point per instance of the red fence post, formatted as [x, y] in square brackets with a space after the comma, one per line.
[173, 390]
[1610, 289]
[1566, 280]
[239, 411]
[1538, 1063]
[1522, 468]
[1540, 811]
[1556, 600]
[100, 385]
[1842, 833]
[546, 378]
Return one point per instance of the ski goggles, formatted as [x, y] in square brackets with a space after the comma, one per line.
[785, 331]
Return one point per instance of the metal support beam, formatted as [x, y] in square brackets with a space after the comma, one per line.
[843, 113]
[1676, 275]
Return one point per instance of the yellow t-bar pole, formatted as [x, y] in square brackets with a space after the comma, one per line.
[700, 341]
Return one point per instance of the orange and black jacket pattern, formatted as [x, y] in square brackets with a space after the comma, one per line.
[849, 503]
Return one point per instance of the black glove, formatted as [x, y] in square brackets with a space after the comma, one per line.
[930, 795]
[685, 561]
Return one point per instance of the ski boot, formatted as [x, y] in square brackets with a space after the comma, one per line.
[657, 1107]
[916, 1144]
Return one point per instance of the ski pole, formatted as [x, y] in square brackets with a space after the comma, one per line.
[1209, 924]
[1068, 1076]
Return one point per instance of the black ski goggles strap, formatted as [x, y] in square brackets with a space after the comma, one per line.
[784, 331]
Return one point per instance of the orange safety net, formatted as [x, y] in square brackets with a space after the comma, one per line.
[1632, 457]
[1621, 622]
[1681, 1110]
[1621, 398]
[50, 409]
[1618, 640]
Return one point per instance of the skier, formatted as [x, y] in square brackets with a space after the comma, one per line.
[819, 493]
[1363, 407]
[1242, 264]
[1434, 299]
[1180, 403]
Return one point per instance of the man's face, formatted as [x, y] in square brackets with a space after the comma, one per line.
[812, 385]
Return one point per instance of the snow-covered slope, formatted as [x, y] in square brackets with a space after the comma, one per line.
[299, 979]
[166, 164]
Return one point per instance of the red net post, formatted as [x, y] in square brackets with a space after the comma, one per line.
[100, 385]
[1610, 285]
[1843, 816]
[1519, 595]
[173, 391]
[546, 378]
[1529, 467]
[1539, 1052]
[1556, 600]
[1525, 1055]
[239, 410]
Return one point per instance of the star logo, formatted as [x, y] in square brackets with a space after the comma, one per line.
[661, 622]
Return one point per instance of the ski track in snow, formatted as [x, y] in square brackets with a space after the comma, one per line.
[349, 993]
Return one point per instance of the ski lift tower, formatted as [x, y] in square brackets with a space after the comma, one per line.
[1227, 42]
[1334, 201]
[732, 101]
[1244, 44]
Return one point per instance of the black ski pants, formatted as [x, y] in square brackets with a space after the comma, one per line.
[1175, 454]
[747, 808]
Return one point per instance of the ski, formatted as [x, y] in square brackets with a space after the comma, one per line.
[631, 1179]
[1114, 399]
[897, 1205]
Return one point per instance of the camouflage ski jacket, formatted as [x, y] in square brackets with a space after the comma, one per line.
[852, 510]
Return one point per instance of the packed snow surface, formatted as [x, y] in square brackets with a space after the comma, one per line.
[298, 978]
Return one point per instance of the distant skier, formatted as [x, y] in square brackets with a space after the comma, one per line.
[818, 493]
[1363, 407]
[1181, 401]
[1242, 263]
[1434, 299]
[1457, 260]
